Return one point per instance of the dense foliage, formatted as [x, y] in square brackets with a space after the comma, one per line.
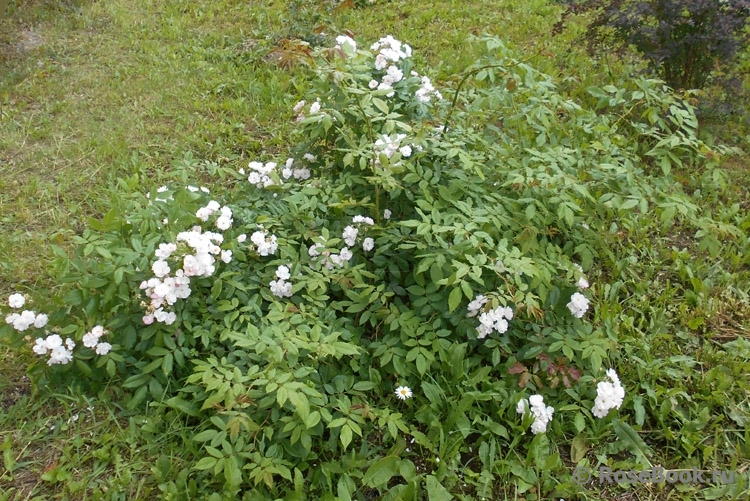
[684, 40]
[408, 303]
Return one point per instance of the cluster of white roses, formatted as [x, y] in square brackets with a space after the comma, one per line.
[609, 395]
[164, 289]
[91, 340]
[427, 91]
[579, 304]
[389, 145]
[314, 109]
[299, 173]
[266, 245]
[390, 51]
[59, 352]
[223, 222]
[489, 321]
[25, 319]
[352, 231]
[392, 75]
[542, 413]
[260, 174]
[350, 235]
[280, 287]
[342, 40]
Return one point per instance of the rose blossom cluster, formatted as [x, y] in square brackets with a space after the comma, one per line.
[91, 340]
[260, 174]
[59, 352]
[164, 289]
[489, 321]
[389, 145]
[342, 40]
[350, 232]
[390, 51]
[350, 235]
[266, 245]
[392, 75]
[314, 109]
[301, 173]
[542, 413]
[330, 260]
[578, 305]
[280, 287]
[223, 222]
[27, 318]
[427, 91]
[609, 395]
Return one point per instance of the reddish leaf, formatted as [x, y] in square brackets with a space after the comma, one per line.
[517, 368]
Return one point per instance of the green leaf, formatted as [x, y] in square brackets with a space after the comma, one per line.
[300, 402]
[138, 397]
[205, 463]
[578, 448]
[380, 104]
[538, 450]
[381, 471]
[640, 411]
[346, 436]
[183, 406]
[454, 300]
[629, 204]
[580, 422]
[436, 491]
[633, 442]
[205, 436]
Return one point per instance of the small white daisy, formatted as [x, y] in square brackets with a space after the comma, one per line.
[403, 392]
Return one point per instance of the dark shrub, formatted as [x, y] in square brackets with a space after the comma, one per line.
[683, 40]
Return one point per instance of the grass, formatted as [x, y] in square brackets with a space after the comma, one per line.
[123, 89]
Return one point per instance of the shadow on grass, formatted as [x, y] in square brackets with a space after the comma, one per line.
[19, 35]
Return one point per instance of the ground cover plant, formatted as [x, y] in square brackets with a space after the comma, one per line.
[433, 287]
